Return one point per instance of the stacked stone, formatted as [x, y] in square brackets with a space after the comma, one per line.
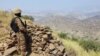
[43, 42]
[7, 43]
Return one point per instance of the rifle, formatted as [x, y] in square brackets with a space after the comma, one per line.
[25, 24]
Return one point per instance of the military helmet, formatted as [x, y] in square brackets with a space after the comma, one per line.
[16, 10]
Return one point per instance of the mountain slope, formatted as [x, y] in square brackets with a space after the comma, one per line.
[90, 26]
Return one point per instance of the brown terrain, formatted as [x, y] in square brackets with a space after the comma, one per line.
[43, 42]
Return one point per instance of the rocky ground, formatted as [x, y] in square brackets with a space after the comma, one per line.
[43, 43]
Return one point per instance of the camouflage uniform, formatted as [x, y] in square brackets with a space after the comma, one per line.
[21, 38]
[19, 26]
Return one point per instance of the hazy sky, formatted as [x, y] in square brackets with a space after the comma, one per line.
[51, 5]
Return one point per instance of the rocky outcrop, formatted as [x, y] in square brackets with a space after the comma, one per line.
[43, 43]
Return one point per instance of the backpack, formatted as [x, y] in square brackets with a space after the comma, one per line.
[14, 26]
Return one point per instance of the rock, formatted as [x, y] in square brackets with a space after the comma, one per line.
[38, 32]
[3, 46]
[1, 54]
[45, 36]
[61, 48]
[65, 54]
[54, 52]
[60, 53]
[52, 41]
[13, 34]
[9, 51]
[51, 46]
[43, 42]
[34, 45]
[48, 33]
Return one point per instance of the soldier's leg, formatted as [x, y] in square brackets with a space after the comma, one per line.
[21, 44]
[18, 43]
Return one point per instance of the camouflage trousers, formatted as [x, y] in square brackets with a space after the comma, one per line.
[21, 46]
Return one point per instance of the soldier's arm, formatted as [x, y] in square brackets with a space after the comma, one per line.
[19, 24]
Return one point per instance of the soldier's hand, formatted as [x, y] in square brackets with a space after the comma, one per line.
[23, 30]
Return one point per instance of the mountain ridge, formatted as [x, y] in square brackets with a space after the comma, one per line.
[86, 25]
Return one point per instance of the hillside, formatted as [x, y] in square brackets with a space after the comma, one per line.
[73, 47]
[39, 40]
[74, 24]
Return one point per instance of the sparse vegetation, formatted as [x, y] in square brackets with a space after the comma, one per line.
[28, 17]
[88, 47]
[86, 44]
[62, 35]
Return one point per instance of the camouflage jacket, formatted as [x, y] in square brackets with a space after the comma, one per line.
[17, 24]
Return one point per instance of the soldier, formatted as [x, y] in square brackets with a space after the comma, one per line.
[20, 29]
